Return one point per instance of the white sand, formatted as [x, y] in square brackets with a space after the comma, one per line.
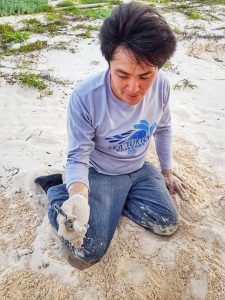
[138, 264]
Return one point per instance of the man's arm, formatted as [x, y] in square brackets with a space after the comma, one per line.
[163, 145]
[80, 141]
[80, 144]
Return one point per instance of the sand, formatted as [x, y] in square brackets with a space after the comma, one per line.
[139, 264]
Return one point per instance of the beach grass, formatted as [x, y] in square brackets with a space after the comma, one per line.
[9, 35]
[184, 84]
[110, 2]
[99, 13]
[52, 27]
[31, 80]
[16, 7]
[86, 26]
[30, 47]
[65, 3]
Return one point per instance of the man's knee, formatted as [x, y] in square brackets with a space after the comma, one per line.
[90, 253]
[164, 225]
[96, 251]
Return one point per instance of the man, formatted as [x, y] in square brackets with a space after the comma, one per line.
[111, 118]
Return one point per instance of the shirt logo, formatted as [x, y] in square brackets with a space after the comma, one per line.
[132, 139]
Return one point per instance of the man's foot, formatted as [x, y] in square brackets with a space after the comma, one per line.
[47, 181]
[80, 265]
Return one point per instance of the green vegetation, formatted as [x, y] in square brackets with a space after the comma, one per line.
[184, 84]
[210, 2]
[31, 21]
[34, 26]
[159, 1]
[86, 26]
[12, 7]
[86, 34]
[31, 80]
[176, 30]
[55, 27]
[54, 16]
[194, 14]
[188, 3]
[95, 62]
[8, 35]
[169, 66]
[99, 13]
[197, 27]
[25, 64]
[65, 3]
[60, 45]
[15, 37]
[112, 2]
[6, 28]
[52, 27]
[38, 45]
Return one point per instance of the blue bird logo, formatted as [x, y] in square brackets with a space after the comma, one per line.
[142, 129]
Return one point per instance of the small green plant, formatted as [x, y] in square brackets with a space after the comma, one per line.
[31, 21]
[38, 45]
[194, 14]
[15, 37]
[34, 28]
[170, 67]
[53, 16]
[184, 84]
[25, 64]
[9, 35]
[31, 80]
[6, 28]
[176, 30]
[60, 45]
[52, 27]
[99, 13]
[211, 2]
[33, 25]
[65, 3]
[112, 2]
[88, 27]
[86, 34]
[95, 62]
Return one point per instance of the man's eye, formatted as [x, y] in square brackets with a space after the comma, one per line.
[145, 78]
[122, 76]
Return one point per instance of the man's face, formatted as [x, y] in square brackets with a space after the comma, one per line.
[130, 80]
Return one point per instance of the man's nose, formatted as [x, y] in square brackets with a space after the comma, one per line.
[133, 87]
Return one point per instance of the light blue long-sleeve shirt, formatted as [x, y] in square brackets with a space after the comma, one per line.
[112, 136]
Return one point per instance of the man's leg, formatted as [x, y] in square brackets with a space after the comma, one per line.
[149, 203]
[106, 199]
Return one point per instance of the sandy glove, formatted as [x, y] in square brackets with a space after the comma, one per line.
[77, 211]
[175, 185]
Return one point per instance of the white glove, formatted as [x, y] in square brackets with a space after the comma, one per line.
[77, 209]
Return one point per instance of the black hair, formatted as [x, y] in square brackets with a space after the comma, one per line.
[141, 31]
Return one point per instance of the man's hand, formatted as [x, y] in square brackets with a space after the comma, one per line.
[175, 185]
[77, 209]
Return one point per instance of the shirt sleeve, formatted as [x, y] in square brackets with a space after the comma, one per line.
[163, 134]
[80, 141]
